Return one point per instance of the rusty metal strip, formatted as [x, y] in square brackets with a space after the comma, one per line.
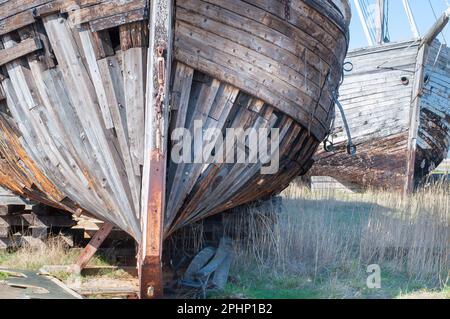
[156, 130]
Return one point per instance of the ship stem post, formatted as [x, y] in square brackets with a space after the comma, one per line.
[414, 117]
[156, 141]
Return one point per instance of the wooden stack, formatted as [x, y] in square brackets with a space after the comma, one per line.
[24, 223]
[10, 201]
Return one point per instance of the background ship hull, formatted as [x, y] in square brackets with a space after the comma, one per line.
[378, 96]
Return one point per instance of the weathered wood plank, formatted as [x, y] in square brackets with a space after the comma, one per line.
[118, 20]
[16, 22]
[186, 176]
[134, 64]
[19, 50]
[114, 88]
[11, 8]
[64, 117]
[48, 8]
[89, 53]
[103, 10]
[2, 93]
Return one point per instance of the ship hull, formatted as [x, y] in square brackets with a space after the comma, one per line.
[379, 96]
[75, 93]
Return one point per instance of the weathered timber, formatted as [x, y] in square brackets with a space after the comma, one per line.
[17, 21]
[12, 8]
[104, 9]
[8, 198]
[119, 19]
[20, 50]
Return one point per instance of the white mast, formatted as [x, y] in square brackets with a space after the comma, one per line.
[363, 22]
[412, 21]
[380, 19]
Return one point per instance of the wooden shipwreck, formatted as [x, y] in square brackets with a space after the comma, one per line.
[91, 91]
[396, 98]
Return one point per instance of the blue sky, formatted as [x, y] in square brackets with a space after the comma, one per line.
[398, 22]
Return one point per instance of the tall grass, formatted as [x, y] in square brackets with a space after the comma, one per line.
[327, 232]
[55, 251]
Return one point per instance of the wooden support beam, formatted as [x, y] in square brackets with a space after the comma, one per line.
[102, 44]
[103, 10]
[47, 9]
[94, 244]
[22, 49]
[16, 22]
[414, 118]
[436, 28]
[10, 8]
[118, 19]
[36, 220]
[155, 156]
[133, 35]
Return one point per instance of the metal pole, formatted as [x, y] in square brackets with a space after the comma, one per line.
[363, 22]
[380, 18]
[156, 130]
[351, 148]
[412, 21]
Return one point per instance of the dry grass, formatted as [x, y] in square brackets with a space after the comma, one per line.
[54, 252]
[327, 236]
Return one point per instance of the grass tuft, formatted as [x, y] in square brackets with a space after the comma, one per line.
[3, 275]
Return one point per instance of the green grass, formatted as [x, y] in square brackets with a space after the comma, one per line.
[320, 244]
[253, 286]
[3, 275]
[394, 285]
